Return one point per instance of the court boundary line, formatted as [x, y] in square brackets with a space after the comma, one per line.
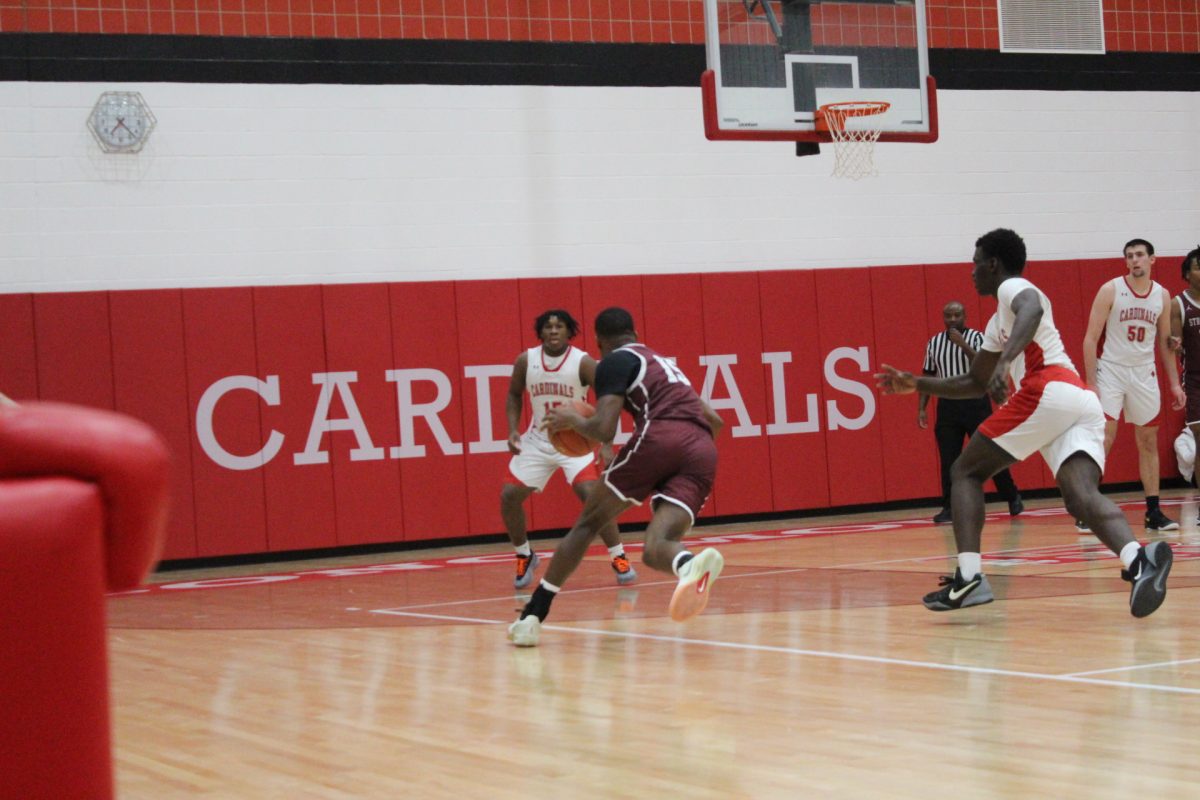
[1077, 678]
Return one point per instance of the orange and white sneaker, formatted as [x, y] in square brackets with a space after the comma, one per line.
[695, 579]
[625, 571]
[525, 567]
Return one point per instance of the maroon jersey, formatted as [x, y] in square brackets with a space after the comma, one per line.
[654, 388]
[1191, 336]
[671, 455]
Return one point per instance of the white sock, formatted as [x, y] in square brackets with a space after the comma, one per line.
[550, 587]
[1129, 553]
[675, 561]
[616, 550]
[523, 550]
[969, 565]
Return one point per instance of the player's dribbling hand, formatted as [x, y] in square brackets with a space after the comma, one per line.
[894, 381]
[560, 417]
[514, 444]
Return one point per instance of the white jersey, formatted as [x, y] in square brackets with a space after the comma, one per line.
[1131, 332]
[551, 381]
[1046, 349]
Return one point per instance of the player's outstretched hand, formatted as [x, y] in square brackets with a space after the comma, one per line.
[894, 381]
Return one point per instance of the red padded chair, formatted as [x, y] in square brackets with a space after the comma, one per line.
[83, 501]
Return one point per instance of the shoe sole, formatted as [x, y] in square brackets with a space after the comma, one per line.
[521, 583]
[525, 635]
[691, 597]
[626, 578]
[1171, 526]
[1149, 594]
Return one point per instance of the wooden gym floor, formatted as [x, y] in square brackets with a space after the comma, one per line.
[814, 673]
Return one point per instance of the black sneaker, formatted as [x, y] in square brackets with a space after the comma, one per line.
[1082, 526]
[1015, 506]
[942, 517]
[957, 593]
[1148, 574]
[1158, 521]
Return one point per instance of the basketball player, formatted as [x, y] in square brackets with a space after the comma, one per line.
[1051, 411]
[1185, 331]
[552, 373]
[671, 458]
[1133, 314]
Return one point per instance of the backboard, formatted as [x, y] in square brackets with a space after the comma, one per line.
[773, 63]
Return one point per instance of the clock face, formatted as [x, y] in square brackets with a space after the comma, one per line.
[121, 122]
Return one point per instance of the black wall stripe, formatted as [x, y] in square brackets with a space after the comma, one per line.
[209, 59]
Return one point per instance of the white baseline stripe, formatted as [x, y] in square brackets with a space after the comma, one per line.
[1138, 666]
[762, 648]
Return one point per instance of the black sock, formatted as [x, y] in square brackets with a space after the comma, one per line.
[539, 604]
[682, 559]
[1151, 503]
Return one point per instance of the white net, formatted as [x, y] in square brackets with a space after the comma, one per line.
[853, 147]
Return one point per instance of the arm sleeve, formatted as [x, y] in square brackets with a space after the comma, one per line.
[616, 372]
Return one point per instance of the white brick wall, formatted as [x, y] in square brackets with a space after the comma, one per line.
[248, 184]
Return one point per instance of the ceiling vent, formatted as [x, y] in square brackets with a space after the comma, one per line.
[1051, 26]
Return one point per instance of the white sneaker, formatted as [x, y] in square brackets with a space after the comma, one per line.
[524, 632]
[695, 579]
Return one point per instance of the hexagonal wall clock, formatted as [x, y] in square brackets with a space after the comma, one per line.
[121, 122]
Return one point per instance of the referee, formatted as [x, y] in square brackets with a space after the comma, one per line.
[949, 355]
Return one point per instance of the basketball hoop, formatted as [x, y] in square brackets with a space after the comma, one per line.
[853, 148]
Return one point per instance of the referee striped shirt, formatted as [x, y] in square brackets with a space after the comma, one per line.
[945, 359]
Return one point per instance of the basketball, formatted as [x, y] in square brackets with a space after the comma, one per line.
[571, 442]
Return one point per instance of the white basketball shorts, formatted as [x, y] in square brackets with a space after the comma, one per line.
[1133, 390]
[539, 460]
[1056, 418]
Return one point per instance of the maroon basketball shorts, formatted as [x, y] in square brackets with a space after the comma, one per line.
[1191, 387]
[672, 460]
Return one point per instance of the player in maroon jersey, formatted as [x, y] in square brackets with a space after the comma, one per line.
[671, 459]
[1185, 334]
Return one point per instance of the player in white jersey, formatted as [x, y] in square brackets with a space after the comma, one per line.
[1051, 412]
[1133, 314]
[553, 373]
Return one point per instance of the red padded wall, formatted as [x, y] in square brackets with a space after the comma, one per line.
[218, 326]
[425, 336]
[150, 382]
[74, 348]
[788, 318]
[731, 314]
[18, 356]
[358, 338]
[910, 461]
[855, 457]
[93, 348]
[489, 333]
[290, 343]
